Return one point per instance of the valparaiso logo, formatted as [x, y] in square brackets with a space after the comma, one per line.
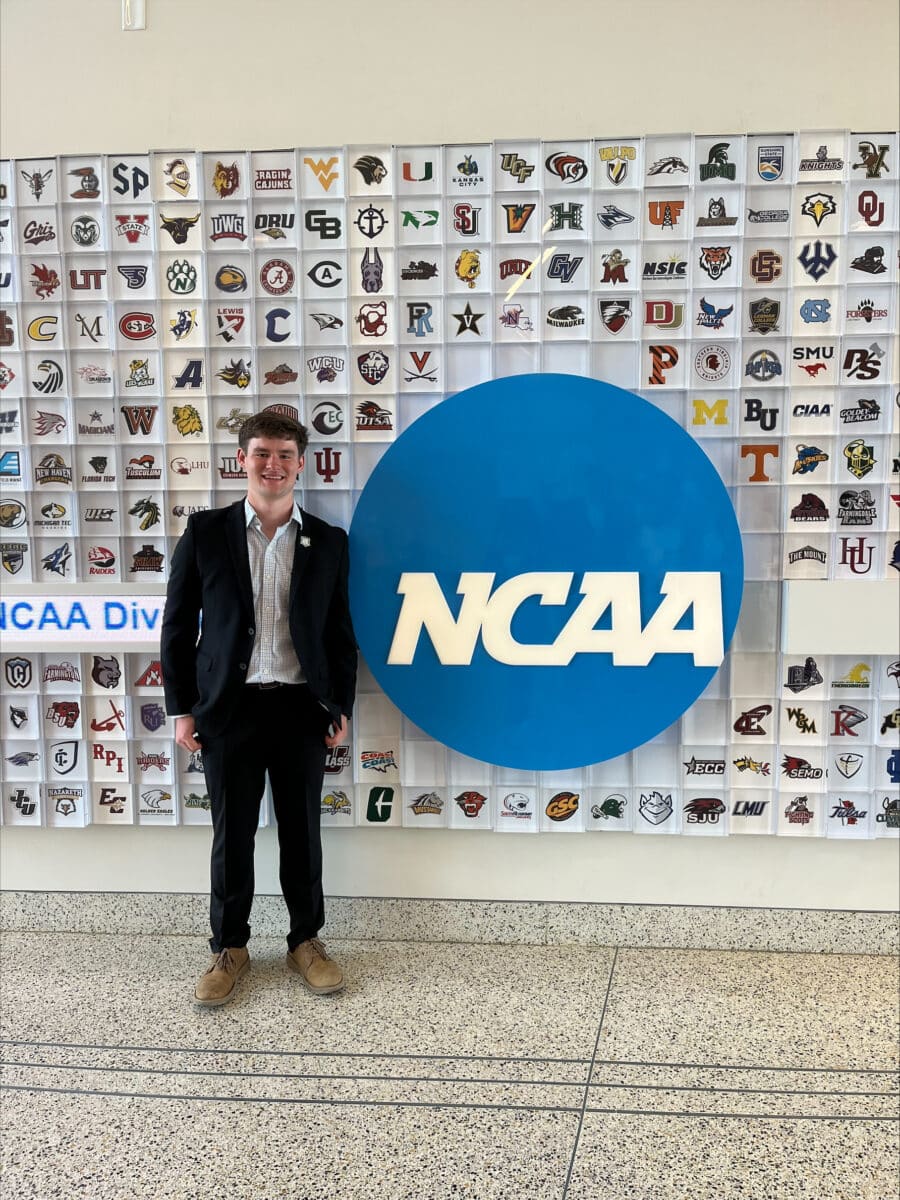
[547, 571]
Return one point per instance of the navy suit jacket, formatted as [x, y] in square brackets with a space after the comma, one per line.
[211, 575]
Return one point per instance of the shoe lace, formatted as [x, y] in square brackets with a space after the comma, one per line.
[319, 948]
[222, 962]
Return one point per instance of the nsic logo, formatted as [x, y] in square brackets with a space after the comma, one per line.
[544, 628]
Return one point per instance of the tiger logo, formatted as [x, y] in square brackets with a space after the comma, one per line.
[186, 419]
[715, 260]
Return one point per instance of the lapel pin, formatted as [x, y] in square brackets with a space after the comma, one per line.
[304, 541]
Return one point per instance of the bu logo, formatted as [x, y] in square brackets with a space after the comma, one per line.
[754, 411]
[517, 216]
[664, 213]
[818, 261]
[328, 463]
[465, 220]
[749, 723]
[323, 171]
[662, 359]
[854, 556]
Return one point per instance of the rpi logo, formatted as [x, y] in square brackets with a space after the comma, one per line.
[547, 571]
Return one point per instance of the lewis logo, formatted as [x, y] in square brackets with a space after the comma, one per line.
[544, 629]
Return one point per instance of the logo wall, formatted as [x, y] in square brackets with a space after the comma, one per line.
[537, 628]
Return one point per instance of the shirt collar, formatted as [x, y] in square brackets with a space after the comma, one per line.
[250, 514]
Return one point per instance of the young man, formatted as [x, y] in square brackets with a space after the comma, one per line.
[267, 687]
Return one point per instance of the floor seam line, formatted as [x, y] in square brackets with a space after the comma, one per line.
[587, 1082]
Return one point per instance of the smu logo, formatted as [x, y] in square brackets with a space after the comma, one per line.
[544, 607]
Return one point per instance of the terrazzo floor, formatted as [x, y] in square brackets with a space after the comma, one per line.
[491, 1072]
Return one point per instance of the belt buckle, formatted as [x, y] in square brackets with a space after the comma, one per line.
[265, 687]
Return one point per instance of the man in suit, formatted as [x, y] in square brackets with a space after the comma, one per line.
[268, 686]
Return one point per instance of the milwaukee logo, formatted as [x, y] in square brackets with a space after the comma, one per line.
[489, 612]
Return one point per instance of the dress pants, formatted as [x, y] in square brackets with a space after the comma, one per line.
[280, 730]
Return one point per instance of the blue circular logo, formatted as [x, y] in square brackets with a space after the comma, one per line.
[546, 572]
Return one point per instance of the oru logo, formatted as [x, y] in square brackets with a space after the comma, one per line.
[546, 572]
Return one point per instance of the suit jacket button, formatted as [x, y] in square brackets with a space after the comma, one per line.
[251, 631]
[242, 666]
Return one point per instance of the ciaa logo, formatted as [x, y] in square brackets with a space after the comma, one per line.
[547, 571]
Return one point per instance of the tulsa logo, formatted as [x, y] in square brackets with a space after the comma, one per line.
[535, 625]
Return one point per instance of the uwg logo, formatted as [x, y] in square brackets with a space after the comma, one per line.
[490, 611]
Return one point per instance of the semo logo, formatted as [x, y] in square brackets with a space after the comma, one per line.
[546, 572]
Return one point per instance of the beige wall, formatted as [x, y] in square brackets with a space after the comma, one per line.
[265, 73]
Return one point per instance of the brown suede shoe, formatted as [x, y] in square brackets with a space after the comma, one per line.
[218, 982]
[321, 974]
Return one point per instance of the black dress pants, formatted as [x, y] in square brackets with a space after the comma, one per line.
[280, 730]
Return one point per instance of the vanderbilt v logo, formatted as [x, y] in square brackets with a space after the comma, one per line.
[323, 171]
[139, 417]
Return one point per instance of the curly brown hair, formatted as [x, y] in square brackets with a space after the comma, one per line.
[273, 425]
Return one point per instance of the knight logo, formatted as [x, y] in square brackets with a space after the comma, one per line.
[567, 167]
[373, 366]
[280, 375]
[230, 322]
[765, 266]
[63, 757]
[860, 458]
[562, 806]
[179, 176]
[327, 418]
[379, 804]
[419, 270]
[712, 363]
[231, 279]
[614, 314]
[328, 464]
[132, 227]
[337, 759]
[799, 678]
[847, 813]
[764, 315]
[372, 169]
[763, 366]
[818, 205]
[821, 162]
[616, 159]
[715, 260]
[101, 561]
[148, 558]
[890, 816]
[662, 271]
[750, 764]
[52, 469]
[654, 807]
[704, 810]
[178, 228]
[372, 319]
[705, 766]
[866, 310]
[817, 259]
[420, 370]
[36, 232]
[856, 677]
[64, 713]
[45, 281]
[336, 803]
[228, 225]
[769, 162]
[137, 326]
[798, 811]
[668, 166]
[611, 808]
[614, 264]
[471, 803]
[716, 214]
[611, 215]
[466, 220]
[849, 764]
[370, 416]
[516, 806]
[799, 768]
[664, 213]
[871, 209]
[135, 275]
[749, 723]
[274, 224]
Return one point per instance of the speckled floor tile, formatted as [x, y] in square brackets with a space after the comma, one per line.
[633, 1157]
[706, 1007]
[111, 1148]
[435, 998]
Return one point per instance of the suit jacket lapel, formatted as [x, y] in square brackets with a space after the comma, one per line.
[236, 535]
[301, 558]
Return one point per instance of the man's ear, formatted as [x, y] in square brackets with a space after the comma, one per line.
[241, 456]
[301, 464]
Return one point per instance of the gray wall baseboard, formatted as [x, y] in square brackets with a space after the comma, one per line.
[525, 922]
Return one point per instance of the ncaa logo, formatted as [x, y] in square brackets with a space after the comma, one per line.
[517, 615]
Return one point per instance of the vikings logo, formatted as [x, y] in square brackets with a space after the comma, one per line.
[236, 373]
[178, 227]
[468, 267]
[106, 671]
[371, 168]
[226, 180]
[45, 281]
[715, 260]
[186, 419]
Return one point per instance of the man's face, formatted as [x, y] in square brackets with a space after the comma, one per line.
[272, 467]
